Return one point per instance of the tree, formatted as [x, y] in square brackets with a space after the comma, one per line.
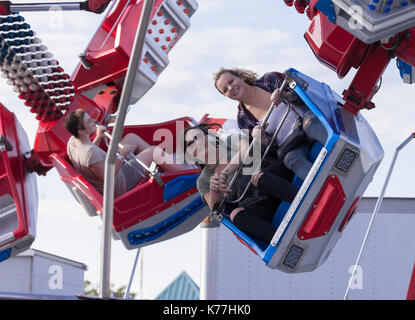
[119, 293]
[89, 292]
[116, 293]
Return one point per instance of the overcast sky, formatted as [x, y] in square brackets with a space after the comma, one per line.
[262, 35]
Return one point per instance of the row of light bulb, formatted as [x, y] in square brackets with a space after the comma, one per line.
[32, 70]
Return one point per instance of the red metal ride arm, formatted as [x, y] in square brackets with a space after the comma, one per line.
[377, 57]
[4, 7]
[96, 6]
[411, 289]
[363, 87]
[340, 51]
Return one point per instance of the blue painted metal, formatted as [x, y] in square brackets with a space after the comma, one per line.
[178, 186]
[256, 245]
[5, 254]
[404, 69]
[139, 236]
[326, 7]
[319, 99]
[318, 93]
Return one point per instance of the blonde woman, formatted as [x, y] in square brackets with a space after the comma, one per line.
[254, 95]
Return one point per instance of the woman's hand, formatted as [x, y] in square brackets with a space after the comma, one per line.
[277, 96]
[218, 182]
[259, 132]
[255, 178]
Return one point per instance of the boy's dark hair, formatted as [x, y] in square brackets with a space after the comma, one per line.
[75, 121]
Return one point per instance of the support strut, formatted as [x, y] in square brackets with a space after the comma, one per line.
[375, 213]
[96, 6]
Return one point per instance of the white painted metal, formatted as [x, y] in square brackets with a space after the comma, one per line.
[108, 205]
[209, 254]
[237, 273]
[41, 273]
[374, 215]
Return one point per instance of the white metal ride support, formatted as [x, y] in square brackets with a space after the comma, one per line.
[109, 176]
[127, 292]
[210, 228]
[374, 215]
[67, 6]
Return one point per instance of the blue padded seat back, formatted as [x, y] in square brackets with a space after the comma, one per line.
[284, 206]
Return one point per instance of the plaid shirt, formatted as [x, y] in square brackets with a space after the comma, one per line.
[269, 82]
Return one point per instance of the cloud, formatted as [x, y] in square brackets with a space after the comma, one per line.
[209, 6]
[251, 34]
[230, 46]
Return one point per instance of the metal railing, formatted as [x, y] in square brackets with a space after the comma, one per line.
[217, 211]
[374, 215]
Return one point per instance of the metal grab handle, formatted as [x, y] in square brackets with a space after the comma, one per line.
[289, 108]
[235, 176]
[152, 171]
[374, 214]
[33, 7]
[64, 6]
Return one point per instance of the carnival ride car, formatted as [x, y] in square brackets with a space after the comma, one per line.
[160, 207]
[154, 211]
[309, 227]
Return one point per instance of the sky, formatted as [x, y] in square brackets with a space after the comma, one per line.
[262, 35]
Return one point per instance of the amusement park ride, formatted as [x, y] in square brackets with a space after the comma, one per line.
[343, 34]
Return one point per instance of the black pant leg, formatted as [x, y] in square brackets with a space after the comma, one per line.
[253, 225]
[277, 187]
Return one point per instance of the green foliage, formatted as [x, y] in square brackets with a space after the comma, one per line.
[116, 293]
[90, 292]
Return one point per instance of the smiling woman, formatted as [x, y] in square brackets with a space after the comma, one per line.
[255, 96]
[252, 93]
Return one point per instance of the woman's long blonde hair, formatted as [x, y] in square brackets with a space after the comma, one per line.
[246, 75]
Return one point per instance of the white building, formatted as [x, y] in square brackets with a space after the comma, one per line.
[37, 274]
[231, 271]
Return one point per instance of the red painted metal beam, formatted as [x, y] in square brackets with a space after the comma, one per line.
[411, 288]
[363, 87]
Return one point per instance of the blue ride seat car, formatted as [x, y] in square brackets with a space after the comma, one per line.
[309, 227]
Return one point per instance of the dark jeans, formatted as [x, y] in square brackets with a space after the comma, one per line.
[256, 219]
